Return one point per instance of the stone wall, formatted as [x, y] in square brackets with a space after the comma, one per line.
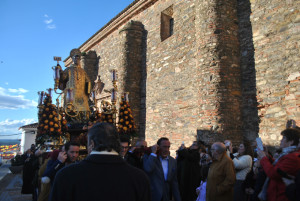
[171, 92]
[219, 70]
[276, 34]
[132, 41]
[230, 70]
[248, 73]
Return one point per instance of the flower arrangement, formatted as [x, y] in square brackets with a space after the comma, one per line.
[126, 124]
[96, 117]
[50, 126]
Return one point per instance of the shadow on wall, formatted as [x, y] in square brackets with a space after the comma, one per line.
[143, 86]
[229, 87]
[250, 119]
[209, 136]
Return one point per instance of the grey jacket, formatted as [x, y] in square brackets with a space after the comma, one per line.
[160, 189]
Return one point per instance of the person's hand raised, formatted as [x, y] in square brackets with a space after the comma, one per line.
[62, 156]
[260, 153]
[154, 148]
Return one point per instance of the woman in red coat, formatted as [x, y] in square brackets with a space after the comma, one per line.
[288, 163]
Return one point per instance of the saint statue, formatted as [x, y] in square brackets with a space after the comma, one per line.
[76, 87]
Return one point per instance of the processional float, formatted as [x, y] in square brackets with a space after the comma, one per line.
[77, 107]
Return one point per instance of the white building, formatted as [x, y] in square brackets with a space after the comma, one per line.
[28, 136]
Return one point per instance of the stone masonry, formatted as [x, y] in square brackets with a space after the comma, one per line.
[276, 38]
[228, 70]
[132, 58]
[219, 75]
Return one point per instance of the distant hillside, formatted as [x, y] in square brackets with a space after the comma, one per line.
[9, 142]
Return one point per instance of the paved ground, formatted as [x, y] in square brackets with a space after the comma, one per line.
[10, 186]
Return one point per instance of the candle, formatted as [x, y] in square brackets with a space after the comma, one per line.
[41, 97]
[114, 75]
[70, 96]
[113, 95]
[93, 95]
[57, 72]
[50, 92]
[126, 96]
[57, 103]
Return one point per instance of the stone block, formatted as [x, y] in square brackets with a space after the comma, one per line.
[293, 76]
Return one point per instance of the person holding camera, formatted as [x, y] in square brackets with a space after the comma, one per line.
[136, 153]
[293, 183]
[288, 163]
[161, 169]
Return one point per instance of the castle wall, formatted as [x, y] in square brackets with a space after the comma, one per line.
[228, 71]
[132, 38]
[168, 89]
[171, 90]
[219, 76]
[248, 73]
[276, 34]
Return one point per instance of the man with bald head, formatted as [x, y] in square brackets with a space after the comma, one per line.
[221, 175]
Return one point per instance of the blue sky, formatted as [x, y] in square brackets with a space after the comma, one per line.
[31, 33]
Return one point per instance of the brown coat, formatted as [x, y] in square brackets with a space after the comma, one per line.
[220, 180]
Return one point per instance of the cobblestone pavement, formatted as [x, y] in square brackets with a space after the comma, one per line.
[11, 185]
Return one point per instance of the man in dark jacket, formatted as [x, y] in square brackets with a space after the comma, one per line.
[68, 155]
[188, 171]
[162, 171]
[136, 153]
[103, 175]
[28, 172]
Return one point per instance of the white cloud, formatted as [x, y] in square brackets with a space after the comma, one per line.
[2, 90]
[49, 22]
[8, 101]
[51, 26]
[12, 126]
[20, 90]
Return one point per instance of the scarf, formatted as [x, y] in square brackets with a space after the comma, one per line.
[284, 152]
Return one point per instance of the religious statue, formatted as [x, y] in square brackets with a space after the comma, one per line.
[76, 87]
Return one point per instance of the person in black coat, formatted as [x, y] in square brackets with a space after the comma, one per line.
[29, 168]
[103, 175]
[189, 171]
[135, 155]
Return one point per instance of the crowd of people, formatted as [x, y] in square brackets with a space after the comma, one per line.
[116, 170]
